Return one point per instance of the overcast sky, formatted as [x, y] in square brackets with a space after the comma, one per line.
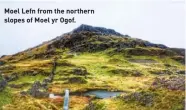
[158, 21]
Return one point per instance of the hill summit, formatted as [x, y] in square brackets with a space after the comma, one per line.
[98, 30]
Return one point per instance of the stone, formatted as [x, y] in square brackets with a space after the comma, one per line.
[181, 72]
[2, 63]
[161, 72]
[171, 83]
[136, 74]
[36, 92]
[3, 84]
[80, 71]
[78, 80]
[97, 30]
[144, 98]
[23, 93]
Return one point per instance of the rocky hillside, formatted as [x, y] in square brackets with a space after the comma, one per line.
[149, 75]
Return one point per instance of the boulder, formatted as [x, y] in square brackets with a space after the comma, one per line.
[78, 80]
[181, 72]
[171, 83]
[80, 71]
[3, 84]
[144, 98]
[11, 77]
[36, 92]
[2, 63]
[161, 72]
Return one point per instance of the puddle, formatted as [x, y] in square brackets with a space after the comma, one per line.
[102, 93]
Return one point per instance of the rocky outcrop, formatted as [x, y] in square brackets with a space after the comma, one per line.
[97, 30]
[172, 83]
[80, 71]
[180, 72]
[2, 63]
[126, 72]
[35, 90]
[161, 72]
[143, 98]
[12, 77]
[79, 80]
[180, 59]
[3, 84]
[34, 72]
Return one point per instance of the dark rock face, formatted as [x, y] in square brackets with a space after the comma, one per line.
[150, 51]
[36, 92]
[143, 98]
[148, 44]
[2, 63]
[97, 30]
[161, 72]
[136, 74]
[179, 51]
[3, 84]
[79, 80]
[142, 61]
[34, 73]
[11, 77]
[172, 83]
[181, 72]
[180, 59]
[126, 72]
[80, 71]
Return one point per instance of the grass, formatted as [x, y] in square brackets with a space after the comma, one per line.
[105, 71]
[5, 97]
[28, 79]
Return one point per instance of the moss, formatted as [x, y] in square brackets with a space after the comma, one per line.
[6, 97]
[96, 105]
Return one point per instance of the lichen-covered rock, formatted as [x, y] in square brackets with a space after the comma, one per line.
[181, 72]
[34, 72]
[172, 83]
[11, 77]
[161, 72]
[79, 80]
[2, 63]
[136, 74]
[97, 30]
[80, 71]
[180, 59]
[3, 83]
[143, 98]
[126, 72]
[36, 92]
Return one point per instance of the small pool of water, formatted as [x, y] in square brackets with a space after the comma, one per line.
[102, 93]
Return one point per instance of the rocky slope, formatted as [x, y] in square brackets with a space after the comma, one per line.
[94, 58]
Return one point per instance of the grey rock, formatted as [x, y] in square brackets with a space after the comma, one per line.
[143, 98]
[3, 84]
[80, 71]
[2, 63]
[36, 92]
[171, 83]
[97, 30]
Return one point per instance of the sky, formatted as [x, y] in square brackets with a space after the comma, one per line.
[157, 21]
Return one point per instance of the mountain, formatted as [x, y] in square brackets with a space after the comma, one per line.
[91, 60]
